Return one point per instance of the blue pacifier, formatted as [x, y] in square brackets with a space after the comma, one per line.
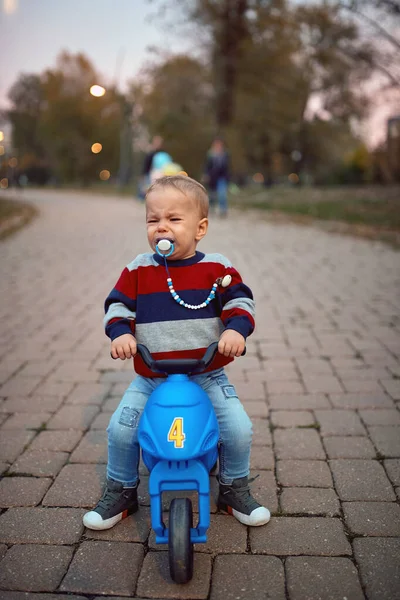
[165, 248]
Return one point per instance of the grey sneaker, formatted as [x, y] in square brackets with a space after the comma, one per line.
[115, 504]
[237, 500]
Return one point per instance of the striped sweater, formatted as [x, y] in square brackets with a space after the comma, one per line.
[142, 305]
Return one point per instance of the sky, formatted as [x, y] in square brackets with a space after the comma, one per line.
[114, 34]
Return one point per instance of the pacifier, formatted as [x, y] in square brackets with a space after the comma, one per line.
[165, 248]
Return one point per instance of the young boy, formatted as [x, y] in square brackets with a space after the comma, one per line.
[177, 314]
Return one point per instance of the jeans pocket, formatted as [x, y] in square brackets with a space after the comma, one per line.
[229, 391]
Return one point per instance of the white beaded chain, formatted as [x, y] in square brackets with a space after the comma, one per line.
[179, 300]
[168, 247]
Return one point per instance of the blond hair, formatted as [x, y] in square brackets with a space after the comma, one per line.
[188, 186]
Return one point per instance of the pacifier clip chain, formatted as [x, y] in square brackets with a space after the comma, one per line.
[168, 247]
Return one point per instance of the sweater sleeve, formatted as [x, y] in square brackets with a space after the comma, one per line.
[120, 306]
[238, 307]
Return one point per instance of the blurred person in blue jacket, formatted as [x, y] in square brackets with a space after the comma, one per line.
[217, 175]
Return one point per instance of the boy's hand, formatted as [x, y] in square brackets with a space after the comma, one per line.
[231, 343]
[124, 346]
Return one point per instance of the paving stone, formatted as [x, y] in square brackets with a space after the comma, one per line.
[324, 384]
[20, 386]
[386, 440]
[261, 432]
[361, 385]
[298, 402]
[41, 526]
[392, 386]
[298, 444]
[310, 501]
[22, 491]
[124, 377]
[256, 409]
[392, 466]
[40, 463]
[91, 449]
[3, 467]
[224, 536]
[34, 568]
[285, 387]
[73, 417]
[26, 421]
[57, 441]
[77, 485]
[373, 518]
[361, 401]
[314, 366]
[46, 596]
[3, 550]
[264, 489]
[361, 480]
[284, 536]
[251, 391]
[55, 388]
[135, 528]
[75, 371]
[339, 422]
[101, 568]
[292, 418]
[378, 562]
[32, 404]
[12, 443]
[89, 393]
[111, 404]
[349, 447]
[155, 581]
[261, 457]
[256, 578]
[382, 416]
[317, 578]
[304, 473]
[101, 421]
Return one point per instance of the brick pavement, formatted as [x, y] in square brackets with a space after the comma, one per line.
[320, 381]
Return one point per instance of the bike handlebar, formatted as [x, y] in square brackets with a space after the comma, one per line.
[179, 365]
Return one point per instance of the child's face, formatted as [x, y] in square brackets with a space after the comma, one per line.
[172, 215]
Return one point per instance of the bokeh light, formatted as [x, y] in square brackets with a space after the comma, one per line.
[105, 175]
[97, 91]
[258, 178]
[97, 147]
[293, 178]
[4, 183]
[13, 162]
[1, 136]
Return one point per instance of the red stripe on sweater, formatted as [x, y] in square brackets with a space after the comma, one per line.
[152, 279]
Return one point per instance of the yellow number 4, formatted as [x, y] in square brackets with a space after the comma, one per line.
[176, 434]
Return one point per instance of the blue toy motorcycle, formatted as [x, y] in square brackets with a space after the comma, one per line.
[178, 435]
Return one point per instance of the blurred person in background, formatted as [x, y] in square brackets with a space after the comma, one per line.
[217, 176]
[156, 146]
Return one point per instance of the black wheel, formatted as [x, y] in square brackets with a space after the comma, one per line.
[179, 544]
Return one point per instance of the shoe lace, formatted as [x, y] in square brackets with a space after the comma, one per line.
[243, 494]
[109, 498]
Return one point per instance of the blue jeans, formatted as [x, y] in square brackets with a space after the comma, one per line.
[220, 195]
[235, 428]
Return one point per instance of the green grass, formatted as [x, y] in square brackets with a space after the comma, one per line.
[14, 214]
[370, 211]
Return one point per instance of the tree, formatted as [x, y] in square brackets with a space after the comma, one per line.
[175, 99]
[55, 121]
